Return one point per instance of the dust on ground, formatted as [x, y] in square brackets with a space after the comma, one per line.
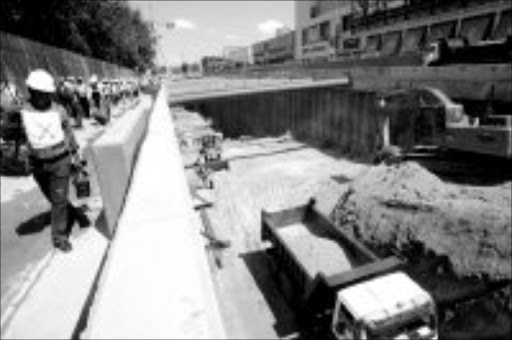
[391, 207]
[264, 173]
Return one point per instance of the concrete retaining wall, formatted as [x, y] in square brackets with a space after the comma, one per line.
[114, 153]
[18, 56]
[344, 118]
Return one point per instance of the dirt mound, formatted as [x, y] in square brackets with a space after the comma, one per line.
[399, 205]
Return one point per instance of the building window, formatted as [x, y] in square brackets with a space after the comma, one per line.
[345, 23]
[373, 43]
[351, 43]
[305, 35]
[313, 11]
[325, 28]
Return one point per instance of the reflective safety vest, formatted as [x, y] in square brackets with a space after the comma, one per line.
[43, 128]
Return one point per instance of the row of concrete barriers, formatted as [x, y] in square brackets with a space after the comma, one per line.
[156, 282]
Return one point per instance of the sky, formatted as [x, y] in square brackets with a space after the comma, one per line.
[205, 27]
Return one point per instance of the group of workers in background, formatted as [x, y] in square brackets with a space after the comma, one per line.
[93, 99]
[43, 123]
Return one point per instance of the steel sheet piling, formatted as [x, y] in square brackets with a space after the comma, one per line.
[344, 118]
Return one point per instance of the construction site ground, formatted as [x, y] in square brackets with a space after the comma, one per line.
[269, 173]
[276, 173]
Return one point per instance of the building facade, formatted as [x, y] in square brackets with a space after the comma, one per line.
[213, 63]
[315, 27]
[278, 49]
[336, 30]
[239, 55]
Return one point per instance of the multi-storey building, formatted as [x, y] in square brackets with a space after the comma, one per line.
[315, 27]
[330, 29]
[259, 52]
[239, 55]
[279, 49]
[213, 63]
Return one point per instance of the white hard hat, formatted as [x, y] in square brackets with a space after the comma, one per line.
[41, 80]
[93, 79]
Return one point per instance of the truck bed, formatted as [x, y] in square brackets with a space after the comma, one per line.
[314, 250]
[311, 243]
[319, 258]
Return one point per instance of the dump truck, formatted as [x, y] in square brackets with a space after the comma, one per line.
[340, 288]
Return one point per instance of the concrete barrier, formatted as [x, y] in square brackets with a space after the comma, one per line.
[156, 282]
[114, 153]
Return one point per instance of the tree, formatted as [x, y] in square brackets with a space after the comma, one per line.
[108, 30]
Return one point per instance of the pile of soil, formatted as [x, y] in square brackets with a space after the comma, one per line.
[396, 206]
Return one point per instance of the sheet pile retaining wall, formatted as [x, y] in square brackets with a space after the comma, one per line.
[339, 117]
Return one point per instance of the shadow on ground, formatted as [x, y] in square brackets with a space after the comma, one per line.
[341, 179]
[286, 325]
[35, 224]
[468, 168]
[268, 154]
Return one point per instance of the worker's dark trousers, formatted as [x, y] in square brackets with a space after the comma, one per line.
[53, 179]
[96, 100]
[74, 109]
[86, 108]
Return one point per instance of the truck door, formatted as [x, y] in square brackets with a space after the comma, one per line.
[343, 322]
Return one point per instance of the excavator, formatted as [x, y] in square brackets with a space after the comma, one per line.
[426, 116]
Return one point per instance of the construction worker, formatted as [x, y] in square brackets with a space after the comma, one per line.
[100, 110]
[68, 98]
[95, 92]
[82, 91]
[9, 109]
[53, 150]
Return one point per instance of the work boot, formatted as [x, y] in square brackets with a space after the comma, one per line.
[63, 245]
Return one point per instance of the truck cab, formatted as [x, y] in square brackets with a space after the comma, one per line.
[392, 306]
